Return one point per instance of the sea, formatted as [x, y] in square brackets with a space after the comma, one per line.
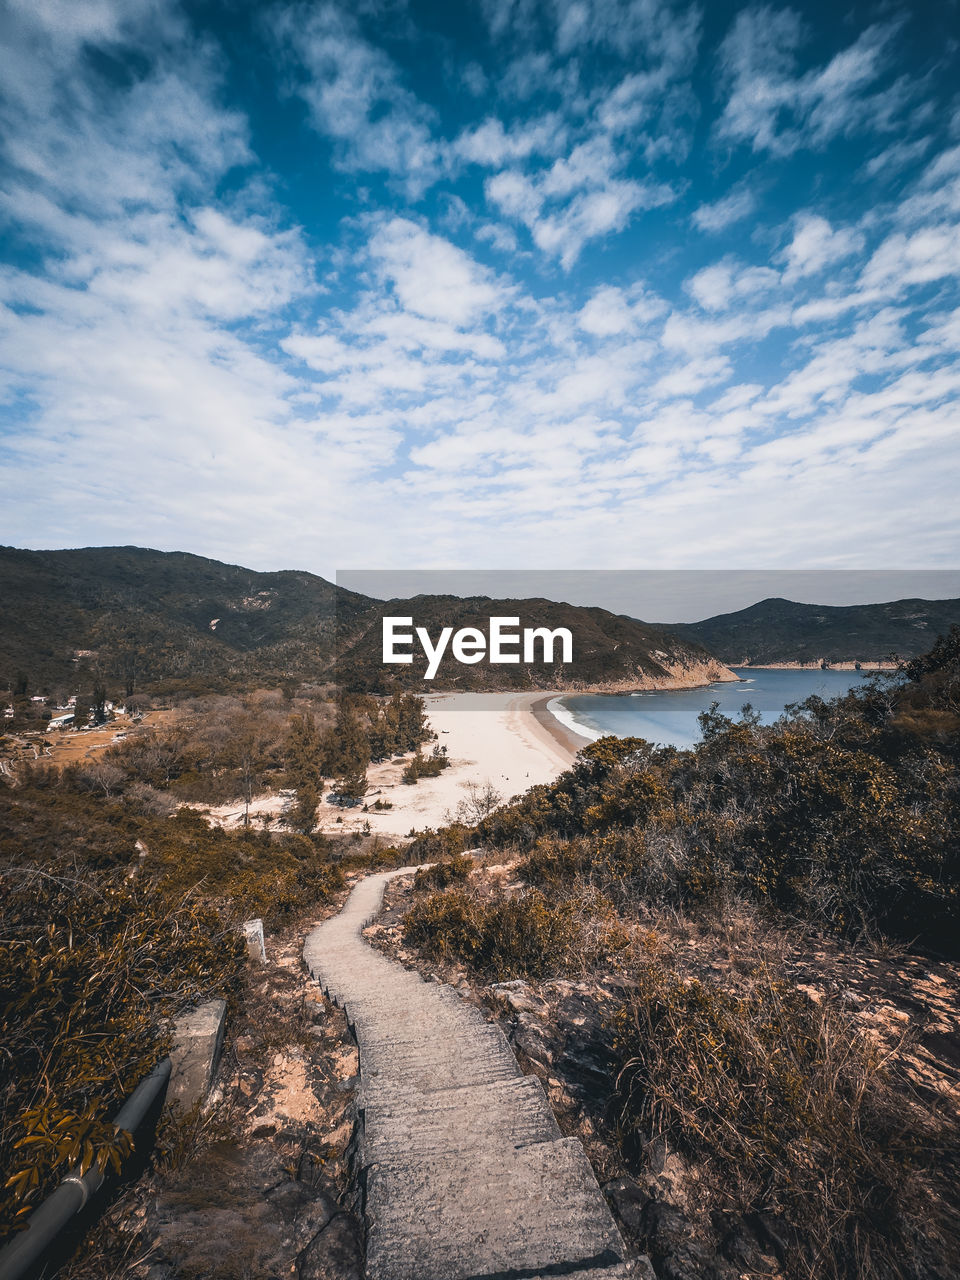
[669, 718]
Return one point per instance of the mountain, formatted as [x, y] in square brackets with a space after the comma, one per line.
[610, 651]
[168, 620]
[145, 617]
[778, 630]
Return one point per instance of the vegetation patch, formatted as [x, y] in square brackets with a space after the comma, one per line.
[456, 869]
[527, 936]
[788, 1105]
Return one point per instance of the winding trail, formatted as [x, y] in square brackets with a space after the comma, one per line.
[467, 1175]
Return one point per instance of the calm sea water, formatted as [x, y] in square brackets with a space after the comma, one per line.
[670, 718]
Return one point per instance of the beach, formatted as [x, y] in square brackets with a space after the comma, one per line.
[509, 740]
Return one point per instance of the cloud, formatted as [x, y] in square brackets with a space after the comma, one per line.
[578, 199]
[717, 287]
[816, 245]
[204, 352]
[901, 260]
[492, 145]
[774, 107]
[723, 213]
[500, 236]
[898, 155]
[431, 276]
[663, 33]
[611, 311]
[356, 97]
[692, 376]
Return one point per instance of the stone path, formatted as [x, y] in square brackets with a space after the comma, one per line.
[467, 1175]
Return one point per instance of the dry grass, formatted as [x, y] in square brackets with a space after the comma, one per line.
[516, 937]
[791, 1109]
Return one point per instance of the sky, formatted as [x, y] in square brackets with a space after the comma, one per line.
[661, 595]
[497, 284]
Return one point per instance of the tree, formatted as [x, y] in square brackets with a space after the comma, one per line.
[99, 703]
[303, 752]
[478, 803]
[302, 816]
[346, 753]
[249, 741]
[412, 717]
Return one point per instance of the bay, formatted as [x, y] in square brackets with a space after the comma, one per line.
[669, 718]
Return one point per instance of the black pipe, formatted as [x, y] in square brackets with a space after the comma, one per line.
[49, 1219]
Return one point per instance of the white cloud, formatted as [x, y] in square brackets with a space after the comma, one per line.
[500, 236]
[594, 214]
[178, 355]
[901, 260]
[723, 213]
[816, 245]
[356, 97]
[898, 155]
[775, 108]
[718, 286]
[607, 313]
[492, 145]
[691, 377]
[665, 34]
[431, 276]
[576, 200]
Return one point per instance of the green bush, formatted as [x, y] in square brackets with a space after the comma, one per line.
[441, 875]
[91, 966]
[424, 767]
[845, 813]
[114, 920]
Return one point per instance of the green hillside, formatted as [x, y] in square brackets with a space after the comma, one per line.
[608, 649]
[167, 620]
[144, 617]
[778, 630]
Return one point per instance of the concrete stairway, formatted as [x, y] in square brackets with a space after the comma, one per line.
[467, 1176]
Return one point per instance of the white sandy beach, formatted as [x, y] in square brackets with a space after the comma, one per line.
[490, 737]
[507, 739]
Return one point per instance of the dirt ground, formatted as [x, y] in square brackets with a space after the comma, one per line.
[259, 1184]
[69, 746]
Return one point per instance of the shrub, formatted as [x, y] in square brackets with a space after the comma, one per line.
[786, 1102]
[91, 968]
[525, 937]
[114, 920]
[424, 767]
[441, 875]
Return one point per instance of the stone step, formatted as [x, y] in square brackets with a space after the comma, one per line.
[407, 1068]
[467, 1176]
[504, 1114]
[456, 1218]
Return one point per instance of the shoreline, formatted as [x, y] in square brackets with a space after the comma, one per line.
[848, 664]
[568, 738]
[507, 742]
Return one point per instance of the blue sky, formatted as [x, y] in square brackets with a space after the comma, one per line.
[499, 284]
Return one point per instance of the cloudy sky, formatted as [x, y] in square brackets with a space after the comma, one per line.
[492, 283]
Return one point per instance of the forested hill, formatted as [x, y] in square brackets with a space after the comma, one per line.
[145, 616]
[150, 619]
[778, 630]
[610, 651]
